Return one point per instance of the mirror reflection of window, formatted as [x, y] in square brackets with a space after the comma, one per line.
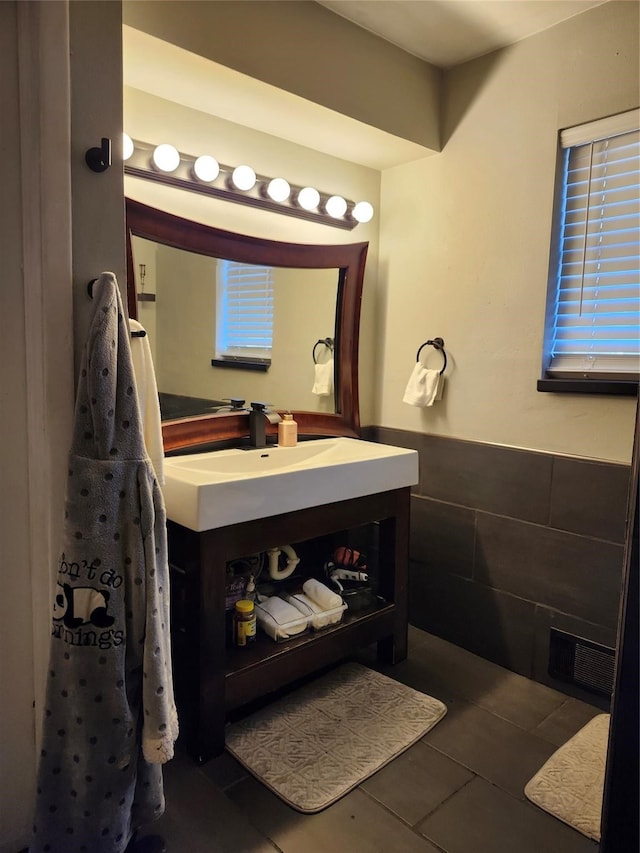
[244, 316]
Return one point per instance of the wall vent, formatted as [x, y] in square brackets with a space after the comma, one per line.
[581, 662]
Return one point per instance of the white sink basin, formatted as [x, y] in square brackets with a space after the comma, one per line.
[207, 490]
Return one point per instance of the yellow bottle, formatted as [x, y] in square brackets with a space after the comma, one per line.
[287, 431]
[244, 623]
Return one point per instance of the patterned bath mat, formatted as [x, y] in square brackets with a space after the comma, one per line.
[319, 742]
[569, 786]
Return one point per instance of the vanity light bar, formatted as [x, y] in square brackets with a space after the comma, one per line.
[164, 164]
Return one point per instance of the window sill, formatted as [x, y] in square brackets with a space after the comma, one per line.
[614, 387]
[241, 364]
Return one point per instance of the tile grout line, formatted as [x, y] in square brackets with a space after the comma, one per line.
[474, 775]
[479, 775]
[469, 701]
[409, 826]
[555, 711]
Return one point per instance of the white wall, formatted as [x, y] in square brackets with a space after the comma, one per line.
[185, 321]
[96, 112]
[37, 377]
[16, 667]
[304, 312]
[305, 49]
[464, 243]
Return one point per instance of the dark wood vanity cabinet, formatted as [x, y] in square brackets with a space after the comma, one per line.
[211, 677]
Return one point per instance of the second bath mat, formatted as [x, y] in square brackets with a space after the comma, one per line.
[569, 786]
[316, 744]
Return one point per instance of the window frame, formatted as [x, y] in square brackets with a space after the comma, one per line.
[238, 356]
[598, 382]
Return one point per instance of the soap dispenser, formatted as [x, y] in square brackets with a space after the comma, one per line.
[287, 431]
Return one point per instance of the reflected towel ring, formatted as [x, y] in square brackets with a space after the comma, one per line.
[325, 342]
[436, 343]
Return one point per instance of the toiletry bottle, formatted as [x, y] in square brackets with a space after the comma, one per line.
[287, 431]
[244, 623]
[250, 593]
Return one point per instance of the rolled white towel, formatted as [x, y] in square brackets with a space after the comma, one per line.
[321, 594]
[279, 619]
[303, 603]
[319, 618]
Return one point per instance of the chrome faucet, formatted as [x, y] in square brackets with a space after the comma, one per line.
[259, 416]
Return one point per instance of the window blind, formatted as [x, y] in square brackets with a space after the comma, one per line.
[597, 311]
[244, 328]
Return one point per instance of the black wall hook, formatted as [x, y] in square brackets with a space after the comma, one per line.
[436, 343]
[99, 159]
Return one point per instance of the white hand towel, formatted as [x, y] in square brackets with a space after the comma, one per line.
[323, 379]
[321, 594]
[422, 386]
[147, 391]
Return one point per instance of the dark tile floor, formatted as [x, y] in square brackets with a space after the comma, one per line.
[458, 790]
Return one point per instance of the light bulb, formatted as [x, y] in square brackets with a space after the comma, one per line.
[243, 177]
[206, 168]
[363, 212]
[166, 158]
[127, 146]
[309, 198]
[278, 189]
[336, 206]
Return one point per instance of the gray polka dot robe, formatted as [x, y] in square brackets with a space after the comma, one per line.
[110, 719]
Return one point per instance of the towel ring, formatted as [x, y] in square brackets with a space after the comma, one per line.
[325, 342]
[436, 343]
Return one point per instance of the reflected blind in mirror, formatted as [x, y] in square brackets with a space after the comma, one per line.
[244, 327]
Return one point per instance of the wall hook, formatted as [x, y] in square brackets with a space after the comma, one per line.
[99, 159]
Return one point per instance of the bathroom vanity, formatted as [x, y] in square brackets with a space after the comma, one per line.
[223, 505]
[213, 678]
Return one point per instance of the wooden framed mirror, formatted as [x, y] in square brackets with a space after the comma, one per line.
[302, 264]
